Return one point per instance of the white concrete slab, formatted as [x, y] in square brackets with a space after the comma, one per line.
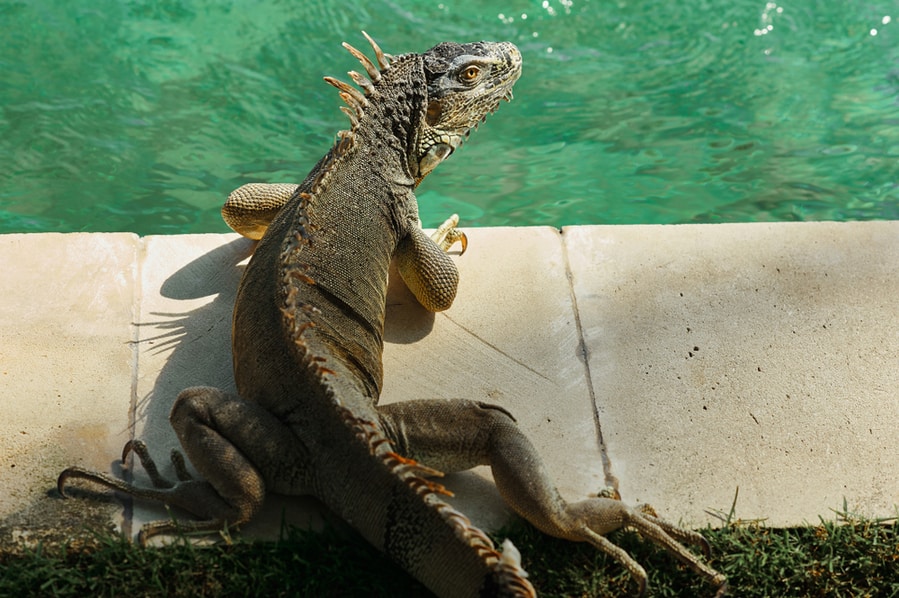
[66, 362]
[476, 350]
[758, 356]
[510, 338]
[754, 356]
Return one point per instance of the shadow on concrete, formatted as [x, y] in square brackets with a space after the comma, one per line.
[197, 345]
[201, 337]
[406, 321]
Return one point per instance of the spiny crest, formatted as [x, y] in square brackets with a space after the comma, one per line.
[302, 229]
[298, 317]
[355, 99]
[352, 96]
[382, 58]
[506, 566]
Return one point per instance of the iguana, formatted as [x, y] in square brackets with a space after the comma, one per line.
[307, 343]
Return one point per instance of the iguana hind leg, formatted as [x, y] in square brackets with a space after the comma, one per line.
[224, 438]
[458, 434]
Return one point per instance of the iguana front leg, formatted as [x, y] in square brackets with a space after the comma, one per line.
[250, 208]
[425, 267]
[428, 272]
[456, 435]
[224, 438]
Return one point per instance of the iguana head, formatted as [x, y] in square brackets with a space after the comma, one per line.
[465, 83]
[430, 102]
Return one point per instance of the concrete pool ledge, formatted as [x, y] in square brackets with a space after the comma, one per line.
[685, 362]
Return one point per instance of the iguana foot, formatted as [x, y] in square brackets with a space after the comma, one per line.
[589, 520]
[649, 512]
[140, 449]
[217, 431]
[447, 234]
[197, 497]
[609, 492]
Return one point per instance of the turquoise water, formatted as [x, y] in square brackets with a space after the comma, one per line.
[142, 116]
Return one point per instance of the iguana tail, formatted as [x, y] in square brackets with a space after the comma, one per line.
[425, 535]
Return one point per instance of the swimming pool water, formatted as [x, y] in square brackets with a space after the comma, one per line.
[143, 115]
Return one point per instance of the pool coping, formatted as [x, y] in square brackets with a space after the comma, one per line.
[694, 366]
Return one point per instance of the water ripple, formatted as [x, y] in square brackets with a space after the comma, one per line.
[142, 116]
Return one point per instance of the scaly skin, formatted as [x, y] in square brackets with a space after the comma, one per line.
[307, 343]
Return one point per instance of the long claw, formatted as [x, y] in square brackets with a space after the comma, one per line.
[126, 450]
[180, 466]
[143, 454]
[62, 479]
[452, 237]
[447, 234]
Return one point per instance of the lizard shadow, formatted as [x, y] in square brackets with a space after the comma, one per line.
[179, 348]
[405, 321]
[195, 345]
[183, 348]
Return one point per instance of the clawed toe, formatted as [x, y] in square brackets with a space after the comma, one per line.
[143, 454]
[446, 235]
[102, 479]
[180, 466]
[77, 473]
[609, 492]
[601, 515]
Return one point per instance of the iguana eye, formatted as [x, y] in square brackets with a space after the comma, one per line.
[469, 74]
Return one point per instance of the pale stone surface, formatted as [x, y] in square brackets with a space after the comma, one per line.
[510, 338]
[66, 362]
[758, 356]
[477, 350]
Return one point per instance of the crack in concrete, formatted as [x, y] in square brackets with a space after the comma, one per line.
[495, 348]
[583, 354]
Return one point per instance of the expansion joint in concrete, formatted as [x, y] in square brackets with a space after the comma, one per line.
[583, 354]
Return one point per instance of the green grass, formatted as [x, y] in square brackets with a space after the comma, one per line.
[850, 557]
